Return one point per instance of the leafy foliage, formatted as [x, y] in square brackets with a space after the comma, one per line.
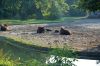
[32, 8]
[91, 5]
[73, 10]
[52, 9]
[61, 57]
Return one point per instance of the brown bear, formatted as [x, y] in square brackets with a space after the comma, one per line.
[40, 30]
[63, 31]
[3, 27]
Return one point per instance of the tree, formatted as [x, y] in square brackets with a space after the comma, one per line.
[90, 5]
[52, 9]
[9, 8]
[73, 10]
[32, 8]
[28, 9]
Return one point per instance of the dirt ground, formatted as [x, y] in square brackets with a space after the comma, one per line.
[85, 34]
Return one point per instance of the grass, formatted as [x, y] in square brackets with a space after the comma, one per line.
[23, 43]
[37, 21]
[4, 60]
[17, 54]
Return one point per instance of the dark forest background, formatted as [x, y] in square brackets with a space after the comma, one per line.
[46, 9]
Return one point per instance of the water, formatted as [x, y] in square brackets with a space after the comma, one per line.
[79, 62]
[86, 62]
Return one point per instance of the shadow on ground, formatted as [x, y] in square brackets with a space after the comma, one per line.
[20, 50]
[92, 53]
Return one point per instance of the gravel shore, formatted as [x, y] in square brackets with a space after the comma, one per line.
[85, 34]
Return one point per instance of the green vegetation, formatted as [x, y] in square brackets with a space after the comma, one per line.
[73, 10]
[29, 21]
[19, 53]
[45, 9]
[49, 9]
[36, 21]
[15, 51]
[90, 5]
[5, 61]
[38, 9]
[62, 55]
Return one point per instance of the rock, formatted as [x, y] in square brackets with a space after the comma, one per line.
[40, 30]
[3, 27]
[63, 31]
[48, 29]
[56, 31]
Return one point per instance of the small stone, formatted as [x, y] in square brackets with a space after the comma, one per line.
[56, 31]
[48, 29]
